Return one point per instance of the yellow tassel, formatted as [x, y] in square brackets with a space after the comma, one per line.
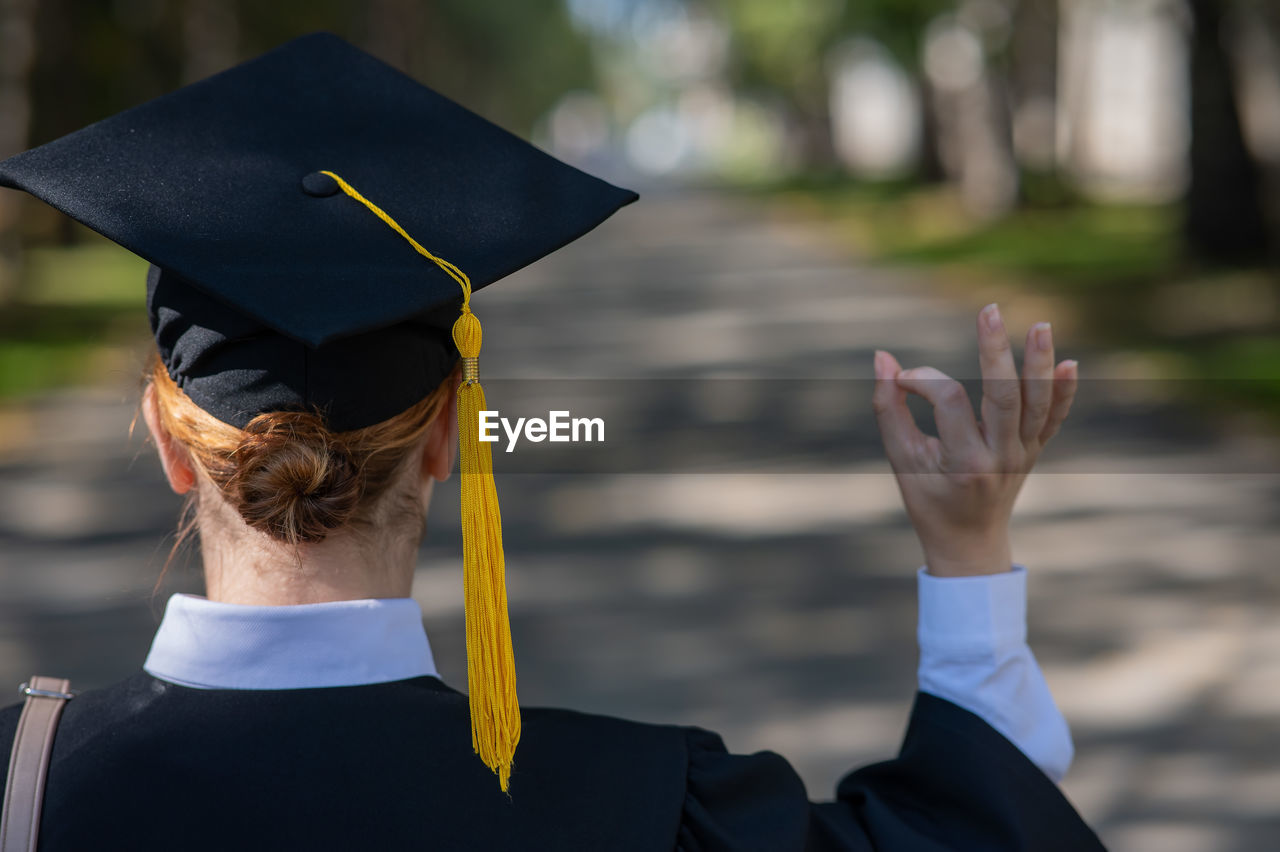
[491, 667]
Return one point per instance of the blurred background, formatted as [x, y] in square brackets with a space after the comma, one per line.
[1120, 154]
[819, 178]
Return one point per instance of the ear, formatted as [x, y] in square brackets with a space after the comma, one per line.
[442, 441]
[177, 466]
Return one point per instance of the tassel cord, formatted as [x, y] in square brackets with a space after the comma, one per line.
[491, 677]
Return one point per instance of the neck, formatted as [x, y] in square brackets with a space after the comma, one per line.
[245, 566]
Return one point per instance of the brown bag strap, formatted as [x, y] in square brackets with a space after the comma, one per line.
[29, 762]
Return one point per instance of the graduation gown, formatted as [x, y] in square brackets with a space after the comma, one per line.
[147, 765]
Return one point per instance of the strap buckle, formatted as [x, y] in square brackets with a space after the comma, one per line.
[26, 689]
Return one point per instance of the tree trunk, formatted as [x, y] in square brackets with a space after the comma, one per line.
[210, 38]
[394, 29]
[17, 53]
[816, 145]
[1033, 82]
[930, 165]
[1224, 218]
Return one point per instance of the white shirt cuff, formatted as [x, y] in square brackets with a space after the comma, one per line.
[974, 653]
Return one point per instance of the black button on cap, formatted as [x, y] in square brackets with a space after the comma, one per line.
[320, 185]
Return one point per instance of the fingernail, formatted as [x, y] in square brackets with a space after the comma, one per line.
[991, 316]
[878, 365]
[1042, 332]
[1070, 364]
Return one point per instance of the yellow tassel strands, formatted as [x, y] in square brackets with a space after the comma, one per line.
[491, 669]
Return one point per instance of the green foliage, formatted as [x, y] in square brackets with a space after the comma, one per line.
[508, 61]
[524, 56]
[1078, 245]
[1250, 358]
[80, 309]
[1070, 244]
[898, 24]
[1118, 268]
[779, 44]
[1232, 371]
[93, 274]
[95, 59]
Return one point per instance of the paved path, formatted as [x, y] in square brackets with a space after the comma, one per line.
[772, 599]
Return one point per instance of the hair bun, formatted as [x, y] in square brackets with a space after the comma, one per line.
[293, 480]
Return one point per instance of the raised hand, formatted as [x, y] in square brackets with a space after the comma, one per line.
[959, 488]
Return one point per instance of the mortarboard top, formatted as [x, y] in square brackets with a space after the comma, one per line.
[268, 280]
[276, 285]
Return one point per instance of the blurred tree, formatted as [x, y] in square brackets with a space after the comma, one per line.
[507, 61]
[210, 35]
[900, 26]
[966, 61]
[393, 29]
[1033, 80]
[1224, 218]
[17, 52]
[779, 45]
[18, 40]
[1258, 24]
[95, 59]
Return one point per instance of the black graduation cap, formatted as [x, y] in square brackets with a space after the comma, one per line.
[271, 289]
[316, 223]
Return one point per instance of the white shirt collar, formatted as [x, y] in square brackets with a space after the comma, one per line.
[213, 645]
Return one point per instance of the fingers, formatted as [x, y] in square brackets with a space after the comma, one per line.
[1037, 383]
[1065, 381]
[1001, 395]
[952, 411]
[1018, 416]
[898, 431]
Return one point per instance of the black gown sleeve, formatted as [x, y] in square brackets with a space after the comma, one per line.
[957, 785]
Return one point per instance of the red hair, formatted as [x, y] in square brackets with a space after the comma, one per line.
[285, 473]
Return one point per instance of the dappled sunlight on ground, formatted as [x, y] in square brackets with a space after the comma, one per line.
[774, 605]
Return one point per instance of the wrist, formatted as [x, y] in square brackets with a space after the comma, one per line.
[979, 559]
